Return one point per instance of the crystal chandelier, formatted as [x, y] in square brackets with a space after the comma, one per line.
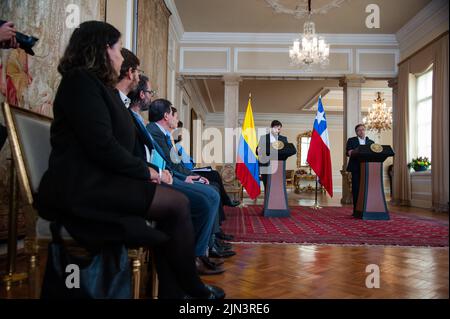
[380, 117]
[309, 49]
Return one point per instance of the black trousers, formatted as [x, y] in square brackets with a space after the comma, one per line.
[355, 187]
[264, 180]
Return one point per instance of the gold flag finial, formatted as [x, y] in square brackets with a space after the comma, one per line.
[250, 95]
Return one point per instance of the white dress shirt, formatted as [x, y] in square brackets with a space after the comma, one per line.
[362, 141]
[162, 129]
[126, 101]
[273, 138]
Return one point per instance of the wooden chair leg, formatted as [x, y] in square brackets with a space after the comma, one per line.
[136, 277]
[154, 277]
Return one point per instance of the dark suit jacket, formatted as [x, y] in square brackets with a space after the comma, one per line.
[353, 143]
[147, 141]
[177, 167]
[3, 136]
[94, 184]
[266, 152]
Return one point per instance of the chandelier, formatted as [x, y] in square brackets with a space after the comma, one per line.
[380, 117]
[309, 49]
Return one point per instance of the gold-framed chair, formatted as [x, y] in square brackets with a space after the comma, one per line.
[231, 184]
[29, 137]
[290, 173]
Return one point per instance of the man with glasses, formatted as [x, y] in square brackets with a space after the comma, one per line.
[204, 201]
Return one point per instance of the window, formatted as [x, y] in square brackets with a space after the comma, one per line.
[423, 109]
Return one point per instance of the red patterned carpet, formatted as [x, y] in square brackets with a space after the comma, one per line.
[333, 225]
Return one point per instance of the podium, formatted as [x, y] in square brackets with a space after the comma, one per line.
[275, 196]
[371, 204]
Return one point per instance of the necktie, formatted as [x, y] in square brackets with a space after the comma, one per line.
[169, 141]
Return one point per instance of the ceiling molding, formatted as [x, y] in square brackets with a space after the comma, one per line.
[297, 119]
[285, 38]
[227, 51]
[175, 19]
[394, 52]
[301, 11]
[422, 24]
[295, 72]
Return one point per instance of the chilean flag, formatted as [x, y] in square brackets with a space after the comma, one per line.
[319, 154]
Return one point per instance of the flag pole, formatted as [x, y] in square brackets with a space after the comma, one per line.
[316, 204]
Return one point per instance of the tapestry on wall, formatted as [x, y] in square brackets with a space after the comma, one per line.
[31, 81]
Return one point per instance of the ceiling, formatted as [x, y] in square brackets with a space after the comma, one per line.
[287, 96]
[256, 16]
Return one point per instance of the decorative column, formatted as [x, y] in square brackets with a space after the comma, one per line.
[352, 116]
[231, 113]
[183, 114]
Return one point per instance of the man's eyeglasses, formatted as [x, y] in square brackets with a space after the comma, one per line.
[152, 93]
[139, 71]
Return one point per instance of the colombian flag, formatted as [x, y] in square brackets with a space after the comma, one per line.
[247, 168]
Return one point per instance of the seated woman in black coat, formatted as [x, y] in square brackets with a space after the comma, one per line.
[93, 176]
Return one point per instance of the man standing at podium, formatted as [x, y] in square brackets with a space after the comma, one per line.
[353, 165]
[264, 150]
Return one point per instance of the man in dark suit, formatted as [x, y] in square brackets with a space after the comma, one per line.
[266, 152]
[353, 165]
[204, 204]
[211, 174]
[163, 119]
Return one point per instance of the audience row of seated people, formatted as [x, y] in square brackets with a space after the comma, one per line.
[109, 167]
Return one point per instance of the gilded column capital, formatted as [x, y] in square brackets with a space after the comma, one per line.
[352, 81]
[180, 81]
[231, 79]
[393, 83]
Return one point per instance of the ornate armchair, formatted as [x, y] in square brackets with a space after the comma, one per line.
[232, 185]
[290, 173]
[304, 179]
[29, 136]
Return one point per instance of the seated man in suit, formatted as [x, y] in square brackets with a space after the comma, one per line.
[353, 165]
[163, 120]
[204, 203]
[211, 174]
[264, 149]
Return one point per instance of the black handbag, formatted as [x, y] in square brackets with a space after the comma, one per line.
[105, 275]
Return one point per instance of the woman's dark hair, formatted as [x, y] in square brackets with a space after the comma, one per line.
[275, 123]
[87, 49]
[158, 108]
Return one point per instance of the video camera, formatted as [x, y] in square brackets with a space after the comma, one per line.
[26, 42]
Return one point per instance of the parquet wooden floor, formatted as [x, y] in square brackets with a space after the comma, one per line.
[317, 271]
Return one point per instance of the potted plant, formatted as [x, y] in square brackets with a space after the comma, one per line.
[420, 164]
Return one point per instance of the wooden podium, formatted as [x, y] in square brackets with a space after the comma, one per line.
[371, 204]
[275, 196]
